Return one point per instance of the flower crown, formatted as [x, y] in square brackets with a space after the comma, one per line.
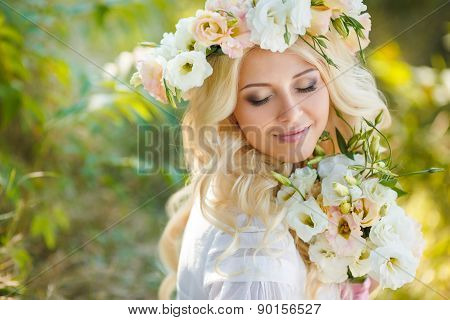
[169, 70]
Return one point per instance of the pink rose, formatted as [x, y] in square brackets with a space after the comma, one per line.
[210, 28]
[352, 40]
[232, 47]
[239, 38]
[320, 23]
[150, 70]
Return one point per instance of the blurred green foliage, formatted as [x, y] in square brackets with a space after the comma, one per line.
[68, 160]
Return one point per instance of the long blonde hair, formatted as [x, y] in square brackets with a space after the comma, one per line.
[241, 172]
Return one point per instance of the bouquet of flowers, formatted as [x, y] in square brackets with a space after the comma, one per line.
[344, 206]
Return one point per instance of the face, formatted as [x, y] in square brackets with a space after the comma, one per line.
[283, 104]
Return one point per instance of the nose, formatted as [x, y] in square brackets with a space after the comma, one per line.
[290, 109]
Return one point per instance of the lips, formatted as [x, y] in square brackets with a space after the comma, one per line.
[293, 132]
[290, 133]
[295, 135]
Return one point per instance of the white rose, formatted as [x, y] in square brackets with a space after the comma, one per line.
[326, 166]
[393, 266]
[377, 193]
[397, 227]
[300, 16]
[187, 70]
[267, 23]
[167, 47]
[306, 218]
[184, 37]
[304, 178]
[332, 268]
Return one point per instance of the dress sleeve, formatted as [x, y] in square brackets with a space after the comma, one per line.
[273, 273]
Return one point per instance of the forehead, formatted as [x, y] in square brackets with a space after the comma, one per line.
[260, 64]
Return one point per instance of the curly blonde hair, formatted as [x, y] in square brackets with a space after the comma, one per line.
[241, 172]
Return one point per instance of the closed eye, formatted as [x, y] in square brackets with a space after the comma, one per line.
[259, 102]
[309, 89]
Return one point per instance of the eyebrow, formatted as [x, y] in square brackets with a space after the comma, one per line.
[267, 84]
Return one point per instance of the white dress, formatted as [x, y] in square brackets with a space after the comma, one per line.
[280, 277]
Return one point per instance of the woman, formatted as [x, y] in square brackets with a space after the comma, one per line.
[260, 112]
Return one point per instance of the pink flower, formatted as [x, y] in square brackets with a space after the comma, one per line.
[236, 7]
[150, 70]
[351, 40]
[320, 23]
[366, 212]
[355, 291]
[210, 27]
[239, 38]
[344, 233]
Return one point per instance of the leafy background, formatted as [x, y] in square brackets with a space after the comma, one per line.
[78, 220]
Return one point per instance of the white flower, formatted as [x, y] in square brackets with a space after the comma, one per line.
[332, 190]
[350, 7]
[307, 218]
[361, 266]
[377, 193]
[288, 195]
[184, 37]
[355, 192]
[393, 266]
[300, 16]
[304, 178]
[187, 70]
[326, 166]
[167, 47]
[333, 268]
[397, 227]
[267, 22]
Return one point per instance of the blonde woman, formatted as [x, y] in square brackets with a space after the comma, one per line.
[261, 107]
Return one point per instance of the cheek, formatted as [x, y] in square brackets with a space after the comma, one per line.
[318, 106]
[253, 119]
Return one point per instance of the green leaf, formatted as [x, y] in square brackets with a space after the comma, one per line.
[353, 140]
[341, 142]
[392, 183]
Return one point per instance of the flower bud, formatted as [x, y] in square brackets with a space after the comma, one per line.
[340, 189]
[374, 144]
[350, 180]
[345, 207]
[338, 24]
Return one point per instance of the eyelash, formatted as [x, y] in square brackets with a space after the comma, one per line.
[263, 101]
